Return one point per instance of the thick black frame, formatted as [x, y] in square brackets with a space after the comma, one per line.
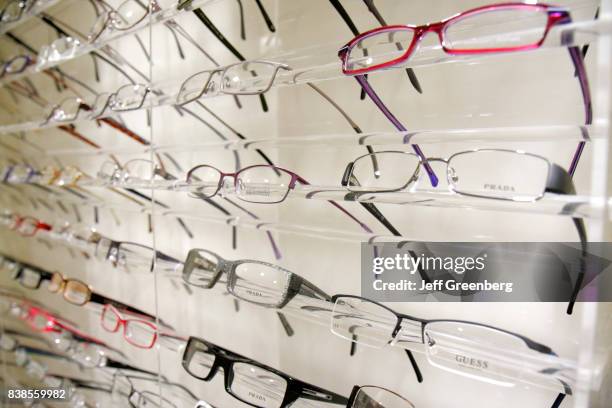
[297, 284]
[225, 359]
[531, 344]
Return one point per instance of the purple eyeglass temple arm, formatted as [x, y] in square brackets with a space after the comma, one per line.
[277, 252]
[362, 80]
[338, 206]
[578, 61]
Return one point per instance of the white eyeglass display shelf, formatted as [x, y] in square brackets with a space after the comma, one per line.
[190, 192]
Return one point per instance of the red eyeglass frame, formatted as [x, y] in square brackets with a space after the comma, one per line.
[39, 225]
[556, 15]
[108, 308]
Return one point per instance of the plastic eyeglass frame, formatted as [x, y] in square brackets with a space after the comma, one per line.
[225, 359]
[39, 226]
[532, 345]
[121, 322]
[357, 388]
[296, 284]
[221, 86]
[556, 16]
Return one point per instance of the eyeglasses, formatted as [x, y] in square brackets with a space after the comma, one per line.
[465, 348]
[16, 65]
[249, 381]
[243, 78]
[370, 396]
[27, 226]
[256, 282]
[63, 48]
[14, 9]
[496, 28]
[131, 254]
[65, 111]
[18, 173]
[262, 184]
[139, 333]
[127, 15]
[67, 176]
[486, 173]
[133, 388]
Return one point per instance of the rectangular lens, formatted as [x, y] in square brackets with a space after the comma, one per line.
[496, 29]
[248, 78]
[263, 184]
[377, 49]
[384, 171]
[259, 282]
[470, 349]
[363, 321]
[201, 268]
[376, 397]
[30, 278]
[140, 333]
[500, 174]
[198, 359]
[257, 386]
[76, 292]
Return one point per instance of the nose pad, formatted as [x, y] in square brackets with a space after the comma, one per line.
[423, 183]
[452, 175]
[227, 188]
[211, 87]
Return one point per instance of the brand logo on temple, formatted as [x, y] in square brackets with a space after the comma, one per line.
[471, 362]
[498, 187]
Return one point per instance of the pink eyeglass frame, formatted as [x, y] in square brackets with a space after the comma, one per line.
[556, 15]
[108, 308]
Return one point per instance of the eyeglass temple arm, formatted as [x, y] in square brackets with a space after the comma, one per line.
[578, 62]
[209, 24]
[560, 182]
[157, 202]
[314, 393]
[241, 12]
[398, 125]
[370, 207]
[235, 132]
[341, 208]
[352, 123]
[275, 249]
[265, 16]
[121, 366]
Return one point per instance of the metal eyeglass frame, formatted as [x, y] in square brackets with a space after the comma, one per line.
[296, 284]
[558, 181]
[111, 17]
[221, 85]
[224, 359]
[27, 62]
[556, 16]
[295, 178]
[163, 383]
[398, 337]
